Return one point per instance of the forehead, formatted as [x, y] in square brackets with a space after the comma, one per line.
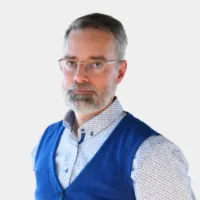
[90, 42]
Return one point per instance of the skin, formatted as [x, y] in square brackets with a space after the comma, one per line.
[81, 45]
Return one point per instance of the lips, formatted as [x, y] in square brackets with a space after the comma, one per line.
[82, 91]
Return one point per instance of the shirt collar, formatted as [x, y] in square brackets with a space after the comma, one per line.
[68, 120]
[97, 123]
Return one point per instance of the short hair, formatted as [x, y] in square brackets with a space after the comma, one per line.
[102, 22]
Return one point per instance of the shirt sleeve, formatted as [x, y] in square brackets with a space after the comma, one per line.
[34, 152]
[160, 171]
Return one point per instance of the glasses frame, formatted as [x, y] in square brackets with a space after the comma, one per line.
[78, 63]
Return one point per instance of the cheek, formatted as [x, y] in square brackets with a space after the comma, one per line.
[105, 82]
[66, 80]
[112, 77]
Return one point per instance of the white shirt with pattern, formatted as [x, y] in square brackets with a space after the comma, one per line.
[160, 170]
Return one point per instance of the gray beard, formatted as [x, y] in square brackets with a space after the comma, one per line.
[85, 104]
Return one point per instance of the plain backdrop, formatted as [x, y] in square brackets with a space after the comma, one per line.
[161, 86]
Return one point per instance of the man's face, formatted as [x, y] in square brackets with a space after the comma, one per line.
[83, 93]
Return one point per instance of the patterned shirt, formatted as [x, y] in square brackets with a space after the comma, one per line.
[159, 169]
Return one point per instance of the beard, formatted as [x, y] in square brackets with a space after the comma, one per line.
[95, 100]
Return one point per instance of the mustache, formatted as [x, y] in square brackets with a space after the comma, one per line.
[86, 86]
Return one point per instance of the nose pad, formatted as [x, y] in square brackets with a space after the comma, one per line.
[80, 68]
[80, 75]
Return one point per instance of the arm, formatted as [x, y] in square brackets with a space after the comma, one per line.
[33, 154]
[160, 171]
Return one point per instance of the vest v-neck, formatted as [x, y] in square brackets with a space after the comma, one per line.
[118, 130]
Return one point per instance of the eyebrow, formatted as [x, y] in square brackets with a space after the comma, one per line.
[90, 57]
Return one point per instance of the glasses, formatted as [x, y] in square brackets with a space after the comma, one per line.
[92, 67]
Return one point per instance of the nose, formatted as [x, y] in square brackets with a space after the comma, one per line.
[80, 76]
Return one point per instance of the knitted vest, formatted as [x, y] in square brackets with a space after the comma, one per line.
[107, 176]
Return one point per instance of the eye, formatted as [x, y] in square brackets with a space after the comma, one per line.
[71, 63]
[96, 64]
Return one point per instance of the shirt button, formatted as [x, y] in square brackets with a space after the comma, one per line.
[92, 133]
[61, 195]
[66, 170]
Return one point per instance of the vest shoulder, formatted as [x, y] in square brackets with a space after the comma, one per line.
[49, 135]
[140, 126]
[52, 130]
[55, 125]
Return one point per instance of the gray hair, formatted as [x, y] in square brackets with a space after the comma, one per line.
[102, 22]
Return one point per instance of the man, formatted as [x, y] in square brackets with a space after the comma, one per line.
[99, 151]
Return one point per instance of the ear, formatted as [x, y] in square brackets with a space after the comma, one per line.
[121, 70]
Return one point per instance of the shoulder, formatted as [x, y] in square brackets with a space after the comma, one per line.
[138, 126]
[55, 125]
[160, 164]
[51, 131]
[159, 148]
[52, 128]
[46, 134]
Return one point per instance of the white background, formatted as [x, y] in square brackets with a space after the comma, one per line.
[161, 86]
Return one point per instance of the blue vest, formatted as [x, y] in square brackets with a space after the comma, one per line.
[107, 176]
